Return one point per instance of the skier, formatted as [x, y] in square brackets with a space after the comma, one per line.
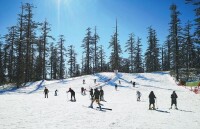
[72, 95]
[91, 93]
[96, 97]
[56, 92]
[83, 81]
[115, 86]
[119, 82]
[46, 91]
[84, 93]
[82, 90]
[101, 94]
[173, 99]
[95, 80]
[133, 84]
[138, 95]
[152, 98]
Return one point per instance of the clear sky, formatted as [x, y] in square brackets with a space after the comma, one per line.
[72, 17]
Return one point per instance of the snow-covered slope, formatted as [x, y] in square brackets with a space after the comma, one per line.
[27, 108]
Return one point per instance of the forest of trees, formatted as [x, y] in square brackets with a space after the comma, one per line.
[29, 53]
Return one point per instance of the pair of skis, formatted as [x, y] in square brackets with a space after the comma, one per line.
[156, 109]
[98, 109]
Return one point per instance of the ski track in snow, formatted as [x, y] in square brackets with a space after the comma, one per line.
[26, 108]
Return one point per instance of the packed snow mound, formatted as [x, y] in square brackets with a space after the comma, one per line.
[27, 108]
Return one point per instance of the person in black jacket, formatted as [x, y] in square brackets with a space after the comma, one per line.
[91, 93]
[133, 84]
[173, 99]
[152, 98]
[82, 90]
[101, 94]
[56, 92]
[139, 94]
[96, 98]
[72, 95]
[46, 91]
[115, 86]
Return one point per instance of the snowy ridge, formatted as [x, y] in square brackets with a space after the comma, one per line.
[27, 107]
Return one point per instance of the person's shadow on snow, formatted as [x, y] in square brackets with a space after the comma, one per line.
[184, 110]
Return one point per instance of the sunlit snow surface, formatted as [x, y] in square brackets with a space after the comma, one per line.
[26, 108]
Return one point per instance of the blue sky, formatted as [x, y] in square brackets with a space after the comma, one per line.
[72, 17]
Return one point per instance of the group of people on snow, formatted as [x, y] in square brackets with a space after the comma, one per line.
[152, 99]
[46, 91]
[97, 95]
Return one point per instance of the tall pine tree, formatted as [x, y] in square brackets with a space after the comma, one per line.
[174, 34]
[87, 46]
[2, 75]
[130, 48]
[62, 53]
[116, 50]
[152, 52]
[138, 64]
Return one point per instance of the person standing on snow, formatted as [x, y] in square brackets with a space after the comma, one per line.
[115, 86]
[101, 94]
[152, 98]
[72, 94]
[133, 84]
[91, 93]
[82, 90]
[46, 91]
[83, 81]
[56, 92]
[173, 99]
[96, 97]
[138, 95]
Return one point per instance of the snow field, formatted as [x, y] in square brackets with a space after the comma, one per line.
[26, 108]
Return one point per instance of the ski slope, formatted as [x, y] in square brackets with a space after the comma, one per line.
[26, 108]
